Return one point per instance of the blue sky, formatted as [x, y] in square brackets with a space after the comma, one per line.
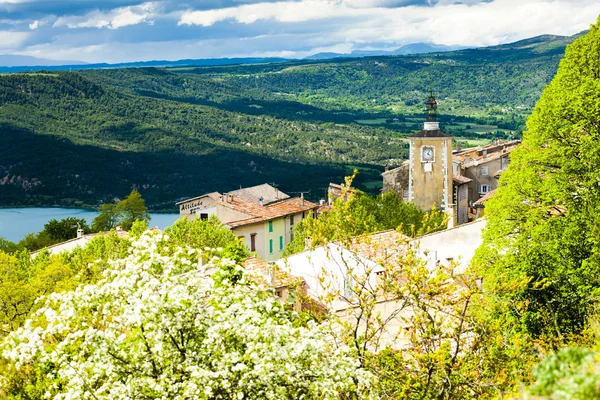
[130, 30]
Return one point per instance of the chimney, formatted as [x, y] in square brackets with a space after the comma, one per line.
[277, 193]
[79, 233]
[387, 168]
[118, 228]
[302, 198]
[260, 200]
[322, 202]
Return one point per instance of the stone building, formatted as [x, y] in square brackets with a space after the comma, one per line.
[483, 165]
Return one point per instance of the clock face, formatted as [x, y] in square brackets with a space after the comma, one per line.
[428, 154]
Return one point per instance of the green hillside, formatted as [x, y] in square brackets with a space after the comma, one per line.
[79, 138]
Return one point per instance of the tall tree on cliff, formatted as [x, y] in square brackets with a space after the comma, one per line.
[541, 251]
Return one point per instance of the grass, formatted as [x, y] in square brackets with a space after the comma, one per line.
[375, 121]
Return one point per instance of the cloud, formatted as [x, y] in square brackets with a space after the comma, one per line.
[128, 30]
[447, 22]
[113, 19]
[10, 40]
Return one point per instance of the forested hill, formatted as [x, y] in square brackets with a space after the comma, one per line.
[78, 138]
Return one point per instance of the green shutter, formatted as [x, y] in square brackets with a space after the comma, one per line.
[270, 226]
[280, 242]
[271, 246]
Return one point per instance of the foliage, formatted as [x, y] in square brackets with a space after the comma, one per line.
[423, 333]
[65, 229]
[541, 247]
[124, 213]
[23, 278]
[208, 233]
[7, 246]
[355, 213]
[570, 374]
[158, 327]
[54, 232]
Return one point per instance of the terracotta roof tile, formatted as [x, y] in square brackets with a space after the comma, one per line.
[257, 213]
[268, 193]
[460, 180]
[381, 247]
[270, 274]
[484, 198]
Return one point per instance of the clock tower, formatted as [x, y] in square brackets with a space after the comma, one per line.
[430, 165]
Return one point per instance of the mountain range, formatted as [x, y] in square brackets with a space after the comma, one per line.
[413, 48]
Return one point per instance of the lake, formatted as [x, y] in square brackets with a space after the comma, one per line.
[15, 223]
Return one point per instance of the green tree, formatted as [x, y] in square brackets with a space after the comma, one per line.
[541, 247]
[65, 229]
[208, 233]
[355, 213]
[132, 208]
[124, 213]
[7, 246]
[107, 219]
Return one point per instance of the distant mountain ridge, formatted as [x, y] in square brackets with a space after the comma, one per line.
[66, 65]
[15, 60]
[413, 48]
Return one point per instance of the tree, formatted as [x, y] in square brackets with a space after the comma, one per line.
[107, 219]
[541, 247]
[132, 208]
[208, 233]
[159, 327]
[7, 246]
[423, 333]
[65, 229]
[355, 213]
[124, 213]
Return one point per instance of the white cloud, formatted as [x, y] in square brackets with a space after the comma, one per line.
[114, 19]
[10, 40]
[448, 22]
[34, 25]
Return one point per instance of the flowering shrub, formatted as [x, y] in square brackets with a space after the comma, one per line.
[158, 326]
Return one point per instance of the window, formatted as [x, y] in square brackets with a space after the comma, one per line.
[253, 242]
[483, 189]
[270, 246]
[270, 226]
[280, 242]
[484, 170]
[203, 216]
[405, 193]
[291, 220]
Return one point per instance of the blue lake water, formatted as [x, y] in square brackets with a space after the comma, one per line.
[15, 223]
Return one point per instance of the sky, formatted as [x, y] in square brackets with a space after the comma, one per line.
[133, 30]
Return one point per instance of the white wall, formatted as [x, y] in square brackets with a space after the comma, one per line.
[458, 243]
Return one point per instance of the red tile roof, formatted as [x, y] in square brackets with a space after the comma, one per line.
[270, 274]
[484, 199]
[460, 180]
[257, 213]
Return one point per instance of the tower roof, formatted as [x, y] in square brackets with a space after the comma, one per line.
[431, 133]
[431, 127]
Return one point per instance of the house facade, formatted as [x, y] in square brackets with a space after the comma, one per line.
[262, 216]
[483, 166]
